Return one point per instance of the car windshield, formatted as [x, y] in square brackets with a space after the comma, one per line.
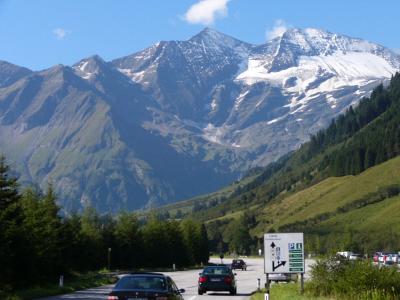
[141, 283]
[216, 271]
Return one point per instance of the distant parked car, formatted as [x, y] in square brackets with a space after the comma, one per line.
[384, 257]
[285, 277]
[356, 256]
[388, 263]
[238, 264]
[376, 257]
[217, 278]
[344, 254]
[146, 286]
[393, 257]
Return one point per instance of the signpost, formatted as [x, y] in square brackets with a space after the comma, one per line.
[284, 253]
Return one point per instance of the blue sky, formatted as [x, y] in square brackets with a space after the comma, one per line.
[40, 33]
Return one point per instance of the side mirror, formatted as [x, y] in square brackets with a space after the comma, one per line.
[181, 291]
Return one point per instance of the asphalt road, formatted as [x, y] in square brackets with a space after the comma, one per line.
[246, 281]
[246, 284]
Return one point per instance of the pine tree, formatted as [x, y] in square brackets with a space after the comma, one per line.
[128, 252]
[204, 249]
[8, 186]
[11, 236]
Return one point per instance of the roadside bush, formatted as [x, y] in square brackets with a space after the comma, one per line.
[354, 280]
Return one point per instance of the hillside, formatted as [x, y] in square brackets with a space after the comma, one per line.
[350, 167]
[334, 194]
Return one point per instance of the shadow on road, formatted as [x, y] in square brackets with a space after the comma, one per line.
[90, 294]
[227, 294]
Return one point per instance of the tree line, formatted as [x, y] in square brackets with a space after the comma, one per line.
[366, 135]
[37, 244]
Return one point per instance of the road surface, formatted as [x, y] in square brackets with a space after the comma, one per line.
[246, 284]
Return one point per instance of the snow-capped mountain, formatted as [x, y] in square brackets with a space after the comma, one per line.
[179, 118]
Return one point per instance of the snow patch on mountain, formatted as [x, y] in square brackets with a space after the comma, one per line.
[82, 71]
[240, 99]
[90, 67]
[349, 66]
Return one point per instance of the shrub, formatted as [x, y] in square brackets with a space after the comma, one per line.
[354, 280]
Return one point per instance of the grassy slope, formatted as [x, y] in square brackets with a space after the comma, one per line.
[378, 216]
[331, 194]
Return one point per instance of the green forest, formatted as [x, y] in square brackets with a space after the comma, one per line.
[37, 245]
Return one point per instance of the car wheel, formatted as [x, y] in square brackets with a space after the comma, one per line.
[233, 291]
[200, 291]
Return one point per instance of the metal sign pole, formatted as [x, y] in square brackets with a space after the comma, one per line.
[302, 283]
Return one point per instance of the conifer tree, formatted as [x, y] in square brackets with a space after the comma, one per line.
[11, 238]
[204, 249]
[8, 186]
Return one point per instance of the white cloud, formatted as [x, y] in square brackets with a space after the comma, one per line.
[397, 50]
[279, 29]
[206, 11]
[60, 33]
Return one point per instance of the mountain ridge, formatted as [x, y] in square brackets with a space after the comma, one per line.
[180, 118]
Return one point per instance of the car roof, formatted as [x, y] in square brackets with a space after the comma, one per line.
[150, 274]
[217, 267]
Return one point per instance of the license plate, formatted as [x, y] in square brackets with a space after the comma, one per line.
[215, 279]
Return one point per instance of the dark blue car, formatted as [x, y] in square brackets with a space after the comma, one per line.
[147, 285]
[217, 278]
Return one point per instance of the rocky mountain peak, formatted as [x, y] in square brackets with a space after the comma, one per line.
[212, 38]
[89, 67]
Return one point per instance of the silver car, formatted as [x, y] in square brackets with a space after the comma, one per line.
[286, 277]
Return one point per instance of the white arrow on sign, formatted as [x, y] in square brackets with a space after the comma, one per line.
[274, 251]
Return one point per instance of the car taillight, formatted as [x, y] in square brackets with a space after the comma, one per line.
[112, 298]
[228, 279]
[202, 279]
